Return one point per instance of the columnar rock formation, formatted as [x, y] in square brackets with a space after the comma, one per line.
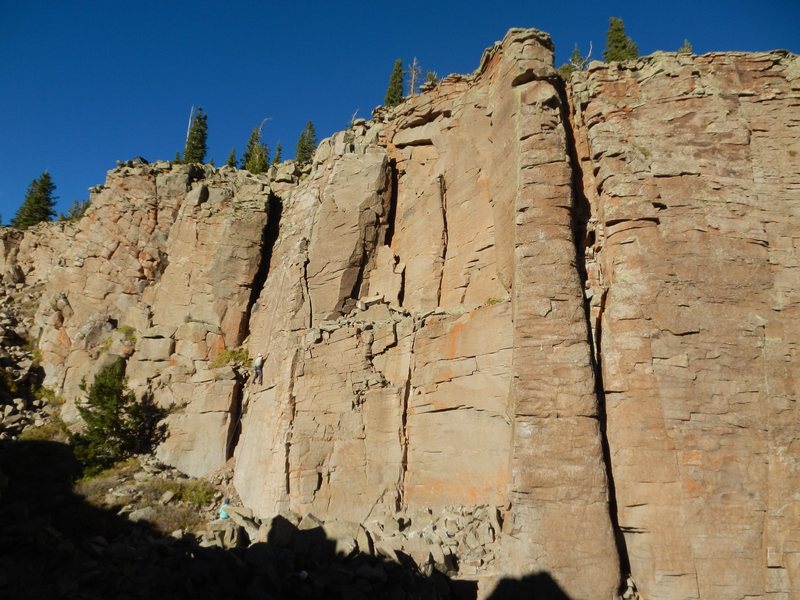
[693, 187]
[568, 309]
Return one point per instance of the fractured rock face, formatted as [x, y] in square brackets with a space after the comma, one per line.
[570, 310]
[459, 371]
[159, 271]
[695, 167]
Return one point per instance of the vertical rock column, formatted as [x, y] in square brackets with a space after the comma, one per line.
[559, 521]
[697, 181]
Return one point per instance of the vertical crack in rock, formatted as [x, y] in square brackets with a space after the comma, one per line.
[236, 419]
[304, 282]
[401, 483]
[581, 213]
[292, 404]
[392, 217]
[443, 207]
[269, 237]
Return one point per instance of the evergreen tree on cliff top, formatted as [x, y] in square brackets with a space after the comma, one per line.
[394, 93]
[306, 145]
[256, 156]
[618, 45]
[39, 203]
[195, 150]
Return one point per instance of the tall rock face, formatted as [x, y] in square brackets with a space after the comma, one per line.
[158, 272]
[459, 371]
[541, 327]
[691, 169]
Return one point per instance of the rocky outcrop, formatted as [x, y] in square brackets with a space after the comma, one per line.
[540, 328]
[691, 176]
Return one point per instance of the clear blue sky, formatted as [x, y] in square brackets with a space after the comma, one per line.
[84, 83]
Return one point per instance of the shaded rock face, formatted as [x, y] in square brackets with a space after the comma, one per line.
[570, 309]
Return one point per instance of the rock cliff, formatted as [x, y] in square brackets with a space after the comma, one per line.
[533, 326]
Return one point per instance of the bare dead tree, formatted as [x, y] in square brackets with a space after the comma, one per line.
[413, 76]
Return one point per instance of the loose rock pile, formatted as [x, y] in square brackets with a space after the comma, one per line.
[54, 544]
[458, 541]
[19, 370]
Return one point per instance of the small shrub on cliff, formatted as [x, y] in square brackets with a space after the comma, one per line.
[117, 426]
[76, 212]
[230, 355]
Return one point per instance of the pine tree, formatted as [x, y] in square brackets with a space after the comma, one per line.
[277, 158]
[256, 156]
[394, 93]
[117, 426]
[686, 48]
[307, 144]
[38, 205]
[232, 158]
[618, 45]
[195, 150]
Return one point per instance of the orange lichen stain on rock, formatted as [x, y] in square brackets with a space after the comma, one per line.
[463, 490]
[692, 457]
[692, 487]
[64, 339]
[216, 348]
[453, 337]
[447, 491]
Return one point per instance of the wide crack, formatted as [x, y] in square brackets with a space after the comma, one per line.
[581, 213]
[269, 236]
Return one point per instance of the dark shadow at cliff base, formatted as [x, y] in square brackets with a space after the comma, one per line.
[54, 545]
[536, 586]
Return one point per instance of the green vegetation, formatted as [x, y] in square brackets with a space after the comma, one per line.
[686, 48]
[231, 355]
[432, 77]
[49, 396]
[306, 145]
[38, 204]
[256, 157]
[394, 93]
[195, 150]
[491, 301]
[8, 387]
[277, 158]
[117, 426]
[577, 62]
[54, 431]
[128, 332]
[181, 512]
[76, 212]
[618, 45]
[231, 162]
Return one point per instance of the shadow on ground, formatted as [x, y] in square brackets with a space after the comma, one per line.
[537, 586]
[54, 545]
